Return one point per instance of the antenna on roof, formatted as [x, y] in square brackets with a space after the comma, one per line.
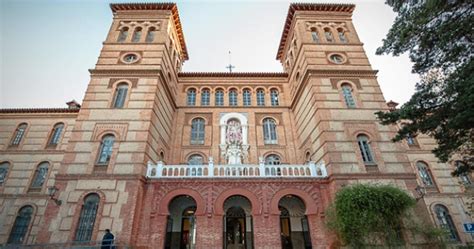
[230, 66]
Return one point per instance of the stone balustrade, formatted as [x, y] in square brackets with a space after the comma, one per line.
[159, 170]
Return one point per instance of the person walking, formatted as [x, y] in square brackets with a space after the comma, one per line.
[108, 240]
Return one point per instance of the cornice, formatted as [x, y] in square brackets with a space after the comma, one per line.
[116, 7]
[231, 75]
[99, 176]
[38, 110]
[344, 8]
[124, 72]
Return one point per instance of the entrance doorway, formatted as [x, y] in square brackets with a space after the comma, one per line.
[238, 227]
[294, 223]
[181, 225]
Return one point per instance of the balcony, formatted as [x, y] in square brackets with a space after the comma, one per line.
[311, 170]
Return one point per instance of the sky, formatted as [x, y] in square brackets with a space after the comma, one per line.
[47, 46]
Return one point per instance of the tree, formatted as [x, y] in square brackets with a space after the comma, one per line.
[438, 36]
[365, 215]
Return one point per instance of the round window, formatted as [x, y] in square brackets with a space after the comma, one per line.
[130, 58]
[336, 58]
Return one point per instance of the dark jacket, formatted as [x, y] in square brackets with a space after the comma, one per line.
[108, 241]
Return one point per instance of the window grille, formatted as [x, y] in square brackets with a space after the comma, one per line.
[272, 160]
[446, 222]
[365, 149]
[260, 97]
[348, 98]
[274, 97]
[197, 131]
[191, 100]
[247, 97]
[424, 173]
[195, 160]
[219, 98]
[40, 175]
[21, 225]
[269, 131]
[205, 97]
[19, 133]
[87, 218]
[106, 148]
[56, 134]
[3, 172]
[233, 97]
[120, 95]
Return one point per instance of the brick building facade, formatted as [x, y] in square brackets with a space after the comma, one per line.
[172, 159]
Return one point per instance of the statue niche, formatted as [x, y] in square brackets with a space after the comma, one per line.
[233, 139]
[234, 129]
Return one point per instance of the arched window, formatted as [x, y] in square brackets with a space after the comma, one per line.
[307, 157]
[464, 177]
[106, 148]
[123, 35]
[40, 176]
[195, 159]
[446, 222]
[205, 97]
[247, 97]
[272, 159]
[342, 36]
[21, 225]
[137, 35]
[314, 35]
[365, 149]
[347, 93]
[260, 97]
[411, 140]
[19, 133]
[269, 131]
[4, 167]
[197, 131]
[150, 36]
[86, 223]
[328, 35]
[233, 97]
[274, 97]
[191, 98]
[56, 134]
[219, 98]
[425, 174]
[120, 95]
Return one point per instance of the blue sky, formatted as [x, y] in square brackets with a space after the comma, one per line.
[46, 47]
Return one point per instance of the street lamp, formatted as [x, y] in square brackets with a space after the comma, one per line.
[421, 192]
[52, 192]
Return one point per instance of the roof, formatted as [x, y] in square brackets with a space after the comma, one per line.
[233, 74]
[349, 8]
[157, 6]
[39, 110]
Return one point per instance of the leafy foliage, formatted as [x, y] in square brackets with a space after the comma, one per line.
[365, 215]
[438, 36]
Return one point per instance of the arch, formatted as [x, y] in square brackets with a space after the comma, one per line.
[150, 35]
[137, 34]
[191, 94]
[310, 204]
[22, 225]
[206, 121]
[5, 169]
[120, 96]
[123, 34]
[106, 149]
[424, 173]
[40, 176]
[196, 153]
[162, 207]
[242, 118]
[19, 134]
[254, 201]
[445, 221]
